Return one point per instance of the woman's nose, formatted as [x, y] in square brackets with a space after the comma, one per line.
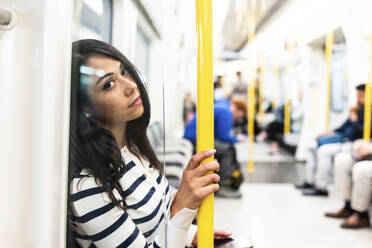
[130, 87]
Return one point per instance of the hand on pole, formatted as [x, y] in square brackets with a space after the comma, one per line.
[218, 234]
[195, 183]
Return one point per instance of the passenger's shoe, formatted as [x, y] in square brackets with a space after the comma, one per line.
[314, 192]
[228, 192]
[355, 221]
[304, 185]
[340, 214]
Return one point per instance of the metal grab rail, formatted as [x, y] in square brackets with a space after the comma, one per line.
[7, 19]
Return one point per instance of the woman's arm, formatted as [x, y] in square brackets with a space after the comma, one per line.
[195, 186]
[102, 222]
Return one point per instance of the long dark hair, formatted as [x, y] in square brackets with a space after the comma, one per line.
[92, 147]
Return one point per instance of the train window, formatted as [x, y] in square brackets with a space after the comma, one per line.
[338, 79]
[142, 51]
[93, 19]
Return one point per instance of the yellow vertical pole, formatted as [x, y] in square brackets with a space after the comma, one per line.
[251, 113]
[367, 102]
[205, 122]
[287, 104]
[328, 53]
[260, 90]
[275, 97]
[251, 90]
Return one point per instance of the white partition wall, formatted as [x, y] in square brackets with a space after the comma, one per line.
[34, 118]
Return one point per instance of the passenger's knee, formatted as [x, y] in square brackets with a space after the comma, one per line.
[323, 150]
[343, 161]
[362, 169]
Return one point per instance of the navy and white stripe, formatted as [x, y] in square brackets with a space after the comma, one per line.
[99, 222]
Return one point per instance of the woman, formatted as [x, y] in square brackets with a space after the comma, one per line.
[118, 196]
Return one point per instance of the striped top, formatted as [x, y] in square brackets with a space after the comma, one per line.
[144, 223]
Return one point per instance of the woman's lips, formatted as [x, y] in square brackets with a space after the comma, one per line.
[136, 102]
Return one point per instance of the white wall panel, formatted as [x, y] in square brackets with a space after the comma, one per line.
[34, 114]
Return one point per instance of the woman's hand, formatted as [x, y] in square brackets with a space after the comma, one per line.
[218, 234]
[195, 184]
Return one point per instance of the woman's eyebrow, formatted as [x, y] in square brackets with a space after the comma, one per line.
[106, 75]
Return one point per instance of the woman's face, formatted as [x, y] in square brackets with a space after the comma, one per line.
[114, 96]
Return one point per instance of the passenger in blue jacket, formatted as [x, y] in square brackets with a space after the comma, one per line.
[223, 124]
[226, 155]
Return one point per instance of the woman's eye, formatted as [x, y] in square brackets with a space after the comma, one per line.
[123, 71]
[108, 85]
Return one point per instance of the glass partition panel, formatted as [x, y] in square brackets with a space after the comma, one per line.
[338, 79]
[93, 19]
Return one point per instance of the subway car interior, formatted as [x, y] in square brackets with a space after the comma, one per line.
[204, 123]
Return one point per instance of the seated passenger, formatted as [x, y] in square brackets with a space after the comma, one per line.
[189, 108]
[238, 109]
[353, 183]
[274, 131]
[319, 164]
[231, 177]
[118, 196]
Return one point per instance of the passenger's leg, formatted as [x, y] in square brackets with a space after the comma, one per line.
[309, 170]
[361, 195]
[226, 157]
[342, 173]
[343, 165]
[325, 155]
[273, 130]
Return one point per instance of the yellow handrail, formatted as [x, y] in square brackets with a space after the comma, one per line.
[287, 101]
[251, 90]
[367, 103]
[275, 97]
[328, 53]
[205, 122]
[251, 113]
[260, 92]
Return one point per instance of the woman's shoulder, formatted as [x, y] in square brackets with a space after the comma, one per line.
[82, 181]
[86, 194]
[131, 158]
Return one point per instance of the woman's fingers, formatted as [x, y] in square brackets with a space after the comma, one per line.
[221, 234]
[197, 158]
[204, 168]
[208, 179]
[218, 234]
[209, 189]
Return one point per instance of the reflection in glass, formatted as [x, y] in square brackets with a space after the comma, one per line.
[142, 51]
[93, 19]
[117, 195]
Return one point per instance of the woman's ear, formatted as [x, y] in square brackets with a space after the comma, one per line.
[87, 112]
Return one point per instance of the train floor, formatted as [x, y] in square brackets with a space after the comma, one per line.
[275, 215]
